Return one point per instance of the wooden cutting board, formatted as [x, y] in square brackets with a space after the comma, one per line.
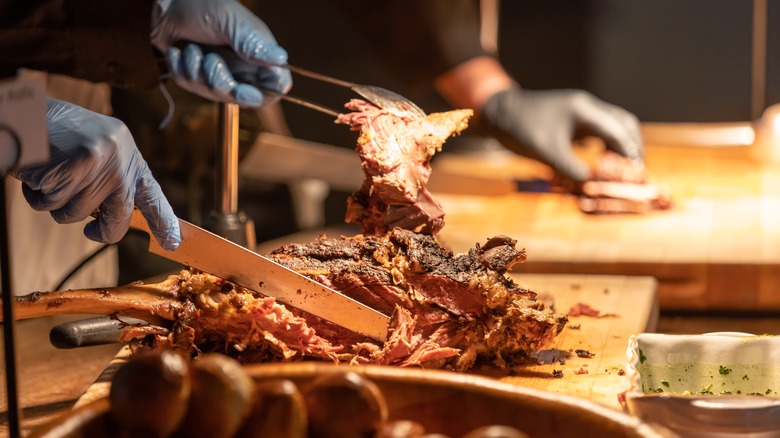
[632, 299]
[627, 305]
[632, 302]
[717, 249]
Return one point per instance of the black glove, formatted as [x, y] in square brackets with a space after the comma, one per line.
[542, 124]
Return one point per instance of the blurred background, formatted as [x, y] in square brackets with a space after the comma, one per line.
[663, 60]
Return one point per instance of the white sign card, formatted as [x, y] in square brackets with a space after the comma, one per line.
[23, 137]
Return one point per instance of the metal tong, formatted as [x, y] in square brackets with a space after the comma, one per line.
[381, 97]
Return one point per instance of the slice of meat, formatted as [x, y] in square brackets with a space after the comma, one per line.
[621, 185]
[447, 310]
[395, 153]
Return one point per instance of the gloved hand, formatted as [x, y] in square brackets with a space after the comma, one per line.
[221, 40]
[95, 163]
[542, 124]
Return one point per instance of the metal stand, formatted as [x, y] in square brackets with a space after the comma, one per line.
[14, 413]
[226, 220]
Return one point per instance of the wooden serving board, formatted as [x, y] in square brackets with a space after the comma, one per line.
[718, 248]
[632, 301]
[627, 305]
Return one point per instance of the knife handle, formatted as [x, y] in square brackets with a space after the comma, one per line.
[137, 220]
[92, 331]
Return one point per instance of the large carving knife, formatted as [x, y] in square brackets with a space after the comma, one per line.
[203, 250]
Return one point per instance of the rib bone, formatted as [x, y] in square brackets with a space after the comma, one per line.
[150, 302]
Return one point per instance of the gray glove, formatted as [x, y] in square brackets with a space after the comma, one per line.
[220, 50]
[542, 124]
[95, 163]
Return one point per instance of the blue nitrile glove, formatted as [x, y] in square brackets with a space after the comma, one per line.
[210, 43]
[542, 124]
[95, 163]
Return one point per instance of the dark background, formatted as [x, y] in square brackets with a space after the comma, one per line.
[663, 60]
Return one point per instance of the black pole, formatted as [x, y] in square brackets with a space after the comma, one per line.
[11, 390]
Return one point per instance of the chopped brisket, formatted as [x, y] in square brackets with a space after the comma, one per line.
[447, 310]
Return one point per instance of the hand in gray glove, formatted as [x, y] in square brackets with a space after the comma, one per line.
[208, 43]
[542, 124]
[95, 163]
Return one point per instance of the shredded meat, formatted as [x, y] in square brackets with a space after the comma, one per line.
[395, 153]
[447, 310]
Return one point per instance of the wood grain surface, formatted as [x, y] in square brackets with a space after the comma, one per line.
[717, 249]
[50, 381]
[626, 305]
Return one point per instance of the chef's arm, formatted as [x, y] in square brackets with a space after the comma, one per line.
[539, 124]
[418, 40]
[472, 83]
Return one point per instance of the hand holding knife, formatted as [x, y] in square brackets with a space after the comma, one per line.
[210, 253]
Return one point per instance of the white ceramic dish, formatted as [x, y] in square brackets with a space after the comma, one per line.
[723, 384]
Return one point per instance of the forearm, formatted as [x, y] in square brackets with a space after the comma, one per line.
[419, 39]
[101, 41]
[472, 83]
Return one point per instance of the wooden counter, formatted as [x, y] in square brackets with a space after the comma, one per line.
[717, 249]
[50, 380]
[627, 305]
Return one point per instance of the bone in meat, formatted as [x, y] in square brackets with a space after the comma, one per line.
[448, 310]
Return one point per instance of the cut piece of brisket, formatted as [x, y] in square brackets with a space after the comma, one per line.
[448, 309]
[395, 153]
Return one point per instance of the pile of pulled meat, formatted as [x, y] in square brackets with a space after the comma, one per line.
[447, 310]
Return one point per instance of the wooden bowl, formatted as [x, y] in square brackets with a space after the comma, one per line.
[444, 402]
[453, 403]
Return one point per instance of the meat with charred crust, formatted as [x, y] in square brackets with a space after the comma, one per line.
[447, 310]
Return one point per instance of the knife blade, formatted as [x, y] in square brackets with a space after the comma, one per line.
[210, 253]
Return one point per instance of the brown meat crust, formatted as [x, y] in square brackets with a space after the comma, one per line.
[395, 153]
[447, 310]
